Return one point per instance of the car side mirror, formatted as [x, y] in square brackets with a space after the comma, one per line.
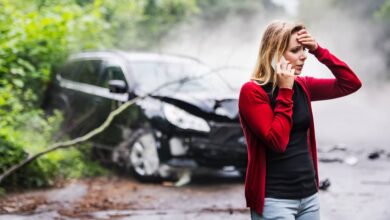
[117, 86]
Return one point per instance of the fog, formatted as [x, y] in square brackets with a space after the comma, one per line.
[359, 120]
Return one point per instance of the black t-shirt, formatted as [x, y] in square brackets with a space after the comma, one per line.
[291, 175]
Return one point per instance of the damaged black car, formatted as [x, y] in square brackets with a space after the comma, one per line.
[185, 115]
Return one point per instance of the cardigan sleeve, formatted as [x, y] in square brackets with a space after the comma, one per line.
[271, 127]
[344, 83]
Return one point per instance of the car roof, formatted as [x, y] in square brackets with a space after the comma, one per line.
[135, 56]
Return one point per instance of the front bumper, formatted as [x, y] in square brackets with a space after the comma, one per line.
[223, 146]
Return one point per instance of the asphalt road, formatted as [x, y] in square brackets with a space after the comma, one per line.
[360, 189]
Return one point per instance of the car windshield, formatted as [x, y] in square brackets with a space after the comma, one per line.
[186, 77]
[234, 77]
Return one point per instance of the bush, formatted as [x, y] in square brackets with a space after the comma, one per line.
[33, 136]
[36, 37]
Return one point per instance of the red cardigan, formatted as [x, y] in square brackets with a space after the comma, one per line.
[263, 127]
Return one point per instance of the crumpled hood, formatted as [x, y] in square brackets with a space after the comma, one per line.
[226, 105]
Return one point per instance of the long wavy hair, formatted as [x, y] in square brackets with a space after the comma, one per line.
[273, 44]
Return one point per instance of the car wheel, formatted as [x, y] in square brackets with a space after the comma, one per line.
[143, 159]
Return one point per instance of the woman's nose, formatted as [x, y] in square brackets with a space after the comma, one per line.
[303, 55]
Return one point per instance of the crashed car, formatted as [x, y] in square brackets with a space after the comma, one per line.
[184, 114]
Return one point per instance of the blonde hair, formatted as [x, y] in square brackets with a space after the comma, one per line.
[273, 44]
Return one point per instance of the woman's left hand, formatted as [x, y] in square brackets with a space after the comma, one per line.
[307, 40]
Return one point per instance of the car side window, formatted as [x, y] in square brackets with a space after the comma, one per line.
[69, 69]
[88, 72]
[112, 72]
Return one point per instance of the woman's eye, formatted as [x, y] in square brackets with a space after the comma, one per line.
[304, 49]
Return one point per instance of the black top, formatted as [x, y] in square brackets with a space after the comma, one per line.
[291, 175]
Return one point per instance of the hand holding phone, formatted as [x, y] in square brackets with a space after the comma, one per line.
[274, 63]
[285, 73]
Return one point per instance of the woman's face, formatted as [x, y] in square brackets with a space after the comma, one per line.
[295, 54]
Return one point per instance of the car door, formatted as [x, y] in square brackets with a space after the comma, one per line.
[61, 94]
[112, 70]
[82, 92]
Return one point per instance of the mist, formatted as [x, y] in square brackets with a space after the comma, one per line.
[357, 121]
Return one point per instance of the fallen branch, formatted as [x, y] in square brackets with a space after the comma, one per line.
[69, 143]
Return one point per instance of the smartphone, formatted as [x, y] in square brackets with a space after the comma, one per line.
[273, 63]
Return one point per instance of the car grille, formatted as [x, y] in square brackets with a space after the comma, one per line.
[229, 133]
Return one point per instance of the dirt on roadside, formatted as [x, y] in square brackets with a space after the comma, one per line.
[78, 199]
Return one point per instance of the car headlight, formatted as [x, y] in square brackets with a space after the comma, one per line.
[183, 119]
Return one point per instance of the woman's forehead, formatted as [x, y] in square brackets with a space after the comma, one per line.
[294, 41]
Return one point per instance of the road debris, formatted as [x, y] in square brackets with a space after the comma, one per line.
[351, 160]
[375, 154]
[324, 184]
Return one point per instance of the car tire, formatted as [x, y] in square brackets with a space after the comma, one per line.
[142, 158]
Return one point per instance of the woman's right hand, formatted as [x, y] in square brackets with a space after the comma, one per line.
[285, 74]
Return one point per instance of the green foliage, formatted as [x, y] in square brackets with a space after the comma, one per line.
[384, 11]
[36, 37]
[215, 10]
[9, 152]
[34, 42]
[33, 136]
[160, 16]
[140, 24]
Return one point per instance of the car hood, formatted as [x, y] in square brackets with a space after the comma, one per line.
[225, 105]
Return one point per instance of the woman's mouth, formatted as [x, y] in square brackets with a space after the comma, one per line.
[299, 67]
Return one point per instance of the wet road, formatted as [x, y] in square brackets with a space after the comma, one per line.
[359, 190]
[206, 197]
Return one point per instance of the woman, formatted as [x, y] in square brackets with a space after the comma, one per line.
[276, 117]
